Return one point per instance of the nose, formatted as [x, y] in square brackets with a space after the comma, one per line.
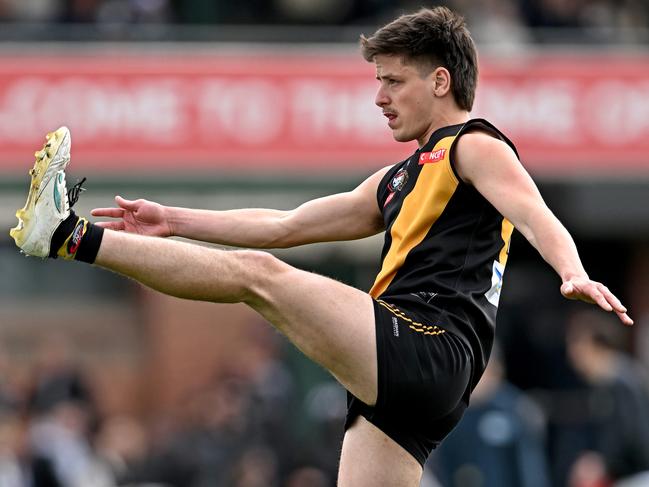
[381, 99]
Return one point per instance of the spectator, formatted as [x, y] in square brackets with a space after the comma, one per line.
[32, 10]
[617, 402]
[76, 11]
[64, 416]
[19, 465]
[307, 477]
[497, 23]
[207, 444]
[62, 438]
[499, 442]
[58, 378]
[123, 445]
[10, 399]
[256, 467]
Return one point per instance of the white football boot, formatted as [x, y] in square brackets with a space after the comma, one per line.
[47, 203]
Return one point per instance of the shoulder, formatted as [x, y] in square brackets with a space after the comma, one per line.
[384, 170]
[382, 174]
[371, 186]
[478, 150]
[478, 143]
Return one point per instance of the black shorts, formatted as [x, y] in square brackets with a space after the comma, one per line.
[424, 375]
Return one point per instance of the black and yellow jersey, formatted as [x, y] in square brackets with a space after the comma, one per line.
[445, 245]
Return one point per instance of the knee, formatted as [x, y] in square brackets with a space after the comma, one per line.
[262, 271]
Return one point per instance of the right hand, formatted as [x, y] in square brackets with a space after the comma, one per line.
[138, 216]
[583, 289]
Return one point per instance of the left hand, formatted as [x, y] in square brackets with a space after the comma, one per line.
[136, 216]
[584, 289]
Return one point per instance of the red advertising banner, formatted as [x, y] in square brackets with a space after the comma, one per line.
[571, 114]
[156, 112]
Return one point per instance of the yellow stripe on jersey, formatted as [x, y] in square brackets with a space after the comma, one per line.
[420, 209]
[506, 233]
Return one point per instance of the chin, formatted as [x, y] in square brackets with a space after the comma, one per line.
[402, 137]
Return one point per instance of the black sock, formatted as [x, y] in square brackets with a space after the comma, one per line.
[76, 238]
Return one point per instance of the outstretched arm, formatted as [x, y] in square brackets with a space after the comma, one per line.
[345, 216]
[492, 167]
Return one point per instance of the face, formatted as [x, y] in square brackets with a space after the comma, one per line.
[406, 98]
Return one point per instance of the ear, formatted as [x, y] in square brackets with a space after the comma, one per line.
[441, 81]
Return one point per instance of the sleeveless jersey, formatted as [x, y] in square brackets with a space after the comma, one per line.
[445, 245]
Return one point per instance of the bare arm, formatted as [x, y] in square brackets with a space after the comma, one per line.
[491, 166]
[345, 216]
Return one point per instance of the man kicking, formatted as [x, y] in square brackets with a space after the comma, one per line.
[411, 350]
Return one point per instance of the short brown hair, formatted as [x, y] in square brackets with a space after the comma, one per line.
[434, 37]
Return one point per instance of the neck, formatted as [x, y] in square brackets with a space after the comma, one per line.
[455, 117]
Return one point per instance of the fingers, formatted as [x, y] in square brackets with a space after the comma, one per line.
[127, 204]
[595, 292]
[122, 203]
[616, 305]
[599, 298]
[624, 318]
[612, 299]
[108, 212]
[613, 306]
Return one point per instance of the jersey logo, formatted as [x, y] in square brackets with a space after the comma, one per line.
[431, 157]
[399, 180]
[396, 184]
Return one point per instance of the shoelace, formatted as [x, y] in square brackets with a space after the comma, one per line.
[75, 191]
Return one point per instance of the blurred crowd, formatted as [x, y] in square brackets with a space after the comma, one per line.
[590, 428]
[253, 427]
[242, 429]
[518, 20]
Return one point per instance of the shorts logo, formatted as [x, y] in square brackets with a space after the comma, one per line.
[77, 234]
[430, 157]
[395, 326]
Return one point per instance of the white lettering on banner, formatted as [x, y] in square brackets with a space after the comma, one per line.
[134, 110]
[321, 109]
[618, 111]
[249, 111]
[153, 110]
[542, 109]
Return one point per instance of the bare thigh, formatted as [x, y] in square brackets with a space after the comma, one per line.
[333, 324]
[370, 458]
[330, 322]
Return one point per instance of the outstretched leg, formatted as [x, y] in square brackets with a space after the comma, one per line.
[332, 323]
